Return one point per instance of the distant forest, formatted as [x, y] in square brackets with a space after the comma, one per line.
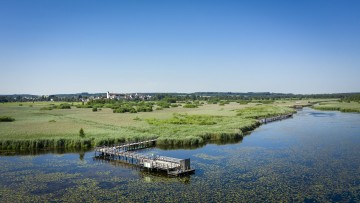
[230, 96]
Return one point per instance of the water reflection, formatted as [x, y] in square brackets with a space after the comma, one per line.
[322, 114]
[34, 152]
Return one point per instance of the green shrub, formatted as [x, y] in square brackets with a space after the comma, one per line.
[119, 110]
[108, 106]
[144, 108]
[82, 133]
[6, 119]
[163, 104]
[94, 109]
[132, 110]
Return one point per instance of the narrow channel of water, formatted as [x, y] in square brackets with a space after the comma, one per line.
[312, 157]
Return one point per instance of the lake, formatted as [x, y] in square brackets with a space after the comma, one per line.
[312, 157]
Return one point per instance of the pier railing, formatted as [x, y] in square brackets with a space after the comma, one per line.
[127, 152]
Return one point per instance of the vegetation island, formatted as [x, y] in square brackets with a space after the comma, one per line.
[84, 120]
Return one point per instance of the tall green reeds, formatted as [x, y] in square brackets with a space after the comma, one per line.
[45, 144]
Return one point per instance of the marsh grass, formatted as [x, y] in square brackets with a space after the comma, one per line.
[34, 128]
[185, 119]
[339, 106]
[258, 112]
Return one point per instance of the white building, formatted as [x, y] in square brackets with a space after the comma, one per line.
[114, 95]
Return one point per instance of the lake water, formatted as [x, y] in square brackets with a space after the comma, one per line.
[312, 157]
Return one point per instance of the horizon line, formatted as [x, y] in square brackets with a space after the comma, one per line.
[177, 93]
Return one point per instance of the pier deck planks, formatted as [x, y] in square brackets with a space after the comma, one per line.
[127, 152]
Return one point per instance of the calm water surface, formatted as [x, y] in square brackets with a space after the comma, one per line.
[313, 157]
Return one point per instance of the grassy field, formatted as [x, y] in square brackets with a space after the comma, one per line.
[338, 106]
[36, 128]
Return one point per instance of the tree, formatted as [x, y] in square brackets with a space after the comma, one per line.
[81, 133]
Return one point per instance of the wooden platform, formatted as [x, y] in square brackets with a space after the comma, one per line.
[127, 153]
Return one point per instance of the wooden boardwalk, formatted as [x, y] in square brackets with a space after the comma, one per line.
[274, 118]
[128, 154]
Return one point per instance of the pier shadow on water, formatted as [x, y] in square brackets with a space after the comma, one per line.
[35, 152]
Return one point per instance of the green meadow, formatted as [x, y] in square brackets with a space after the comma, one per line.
[51, 125]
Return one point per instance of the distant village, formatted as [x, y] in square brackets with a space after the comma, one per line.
[109, 95]
[119, 96]
[85, 96]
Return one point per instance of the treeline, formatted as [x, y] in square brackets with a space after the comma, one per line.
[59, 97]
[173, 97]
[229, 96]
[350, 98]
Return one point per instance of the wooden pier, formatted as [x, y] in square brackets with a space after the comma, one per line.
[127, 153]
[274, 118]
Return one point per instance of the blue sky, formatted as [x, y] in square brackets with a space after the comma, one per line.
[49, 47]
